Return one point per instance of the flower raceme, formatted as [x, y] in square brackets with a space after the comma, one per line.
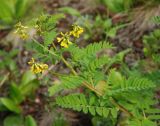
[76, 31]
[64, 40]
[37, 67]
[21, 31]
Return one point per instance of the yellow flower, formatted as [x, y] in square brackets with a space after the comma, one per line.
[32, 61]
[64, 40]
[39, 29]
[76, 31]
[37, 67]
[21, 31]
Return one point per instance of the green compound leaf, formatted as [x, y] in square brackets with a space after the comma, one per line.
[78, 102]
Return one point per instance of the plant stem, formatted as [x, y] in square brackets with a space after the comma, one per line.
[92, 88]
[44, 48]
[69, 66]
[4, 79]
[65, 62]
[144, 114]
[56, 74]
[120, 107]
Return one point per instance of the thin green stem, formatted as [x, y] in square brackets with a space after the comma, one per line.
[144, 115]
[69, 66]
[45, 48]
[4, 79]
[65, 62]
[56, 74]
[92, 88]
[120, 107]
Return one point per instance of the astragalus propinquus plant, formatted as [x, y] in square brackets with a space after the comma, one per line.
[107, 91]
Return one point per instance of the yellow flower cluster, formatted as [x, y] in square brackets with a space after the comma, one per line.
[37, 67]
[76, 31]
[64, 40]
[21, 31]
[39, 30]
